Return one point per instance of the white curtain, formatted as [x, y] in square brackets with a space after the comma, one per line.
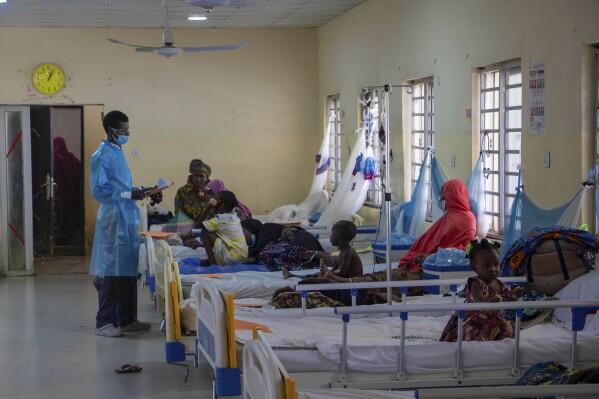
[317, 198]
[352, 190]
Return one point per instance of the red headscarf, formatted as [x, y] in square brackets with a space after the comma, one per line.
[455, 229]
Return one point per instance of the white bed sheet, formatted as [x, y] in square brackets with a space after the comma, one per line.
[257, 284]
[314, 345]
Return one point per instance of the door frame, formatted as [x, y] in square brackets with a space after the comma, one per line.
[27, 192]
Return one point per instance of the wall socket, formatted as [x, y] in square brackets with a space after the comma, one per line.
[546, 159]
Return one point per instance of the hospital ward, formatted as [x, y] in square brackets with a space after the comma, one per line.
[311, 199]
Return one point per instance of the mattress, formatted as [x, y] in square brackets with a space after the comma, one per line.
[258, 284]
[313, 344]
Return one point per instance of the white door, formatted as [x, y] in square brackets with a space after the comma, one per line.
[16, 231]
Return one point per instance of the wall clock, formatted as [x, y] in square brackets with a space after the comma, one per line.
[48, 78]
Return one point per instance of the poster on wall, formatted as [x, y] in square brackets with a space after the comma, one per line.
[536, 73]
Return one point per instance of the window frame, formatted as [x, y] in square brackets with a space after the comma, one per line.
[428, 133]
[334, 172]
[499, 214]
[375, 193]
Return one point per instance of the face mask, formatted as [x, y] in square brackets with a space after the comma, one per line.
[120, 139]
[441, 204]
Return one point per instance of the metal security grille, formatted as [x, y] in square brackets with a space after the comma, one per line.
[501, 133]
[334, 109]
[423, 131]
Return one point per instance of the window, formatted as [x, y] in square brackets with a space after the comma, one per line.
[334, 109]
[423, 131]
[501, 131]
[370, 114]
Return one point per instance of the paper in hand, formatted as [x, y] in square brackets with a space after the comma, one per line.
[162, 185]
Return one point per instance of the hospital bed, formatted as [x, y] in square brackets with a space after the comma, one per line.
[168, 294]
[266, 375]
[217, 338]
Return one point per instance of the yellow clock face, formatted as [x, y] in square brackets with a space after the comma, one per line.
[48, 78]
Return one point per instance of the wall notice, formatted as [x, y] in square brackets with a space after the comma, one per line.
[536, 83]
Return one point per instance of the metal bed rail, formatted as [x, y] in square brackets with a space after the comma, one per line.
[303, 289]
[580, 309]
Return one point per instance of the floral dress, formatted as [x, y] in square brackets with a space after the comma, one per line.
[481, 325]
[190, 202]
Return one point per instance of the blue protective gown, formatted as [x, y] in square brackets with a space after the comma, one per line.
[115, 250]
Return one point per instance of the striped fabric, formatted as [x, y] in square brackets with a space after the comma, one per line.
[233, 248]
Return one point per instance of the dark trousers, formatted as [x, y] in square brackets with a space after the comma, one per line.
[117, 300]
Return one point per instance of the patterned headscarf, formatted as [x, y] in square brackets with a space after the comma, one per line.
[197, 166]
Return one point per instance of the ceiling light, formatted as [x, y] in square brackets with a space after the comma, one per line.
[3, 1]
[191, 17]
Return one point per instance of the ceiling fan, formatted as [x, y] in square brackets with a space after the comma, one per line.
[168, 49]
[208, 5]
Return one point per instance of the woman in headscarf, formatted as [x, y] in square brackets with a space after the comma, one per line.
[67, 174]
[277, 246]
[192, 198]
[217, 185]
[455, 229]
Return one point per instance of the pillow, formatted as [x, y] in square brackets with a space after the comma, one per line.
[581, 288]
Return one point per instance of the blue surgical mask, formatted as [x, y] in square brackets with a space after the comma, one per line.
[120, 139]
[441, 204]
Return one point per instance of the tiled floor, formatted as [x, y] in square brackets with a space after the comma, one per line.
[48, 348]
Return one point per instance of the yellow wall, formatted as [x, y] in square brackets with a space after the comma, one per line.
[252, 114]
[391, 41]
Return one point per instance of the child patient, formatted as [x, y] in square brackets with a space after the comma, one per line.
[347, 264]
[222, 235]
[483, 325]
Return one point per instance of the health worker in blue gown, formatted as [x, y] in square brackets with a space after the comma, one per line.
[115, 249]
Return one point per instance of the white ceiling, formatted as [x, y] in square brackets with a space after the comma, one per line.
[150, 13]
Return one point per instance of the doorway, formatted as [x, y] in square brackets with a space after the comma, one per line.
[57, 181]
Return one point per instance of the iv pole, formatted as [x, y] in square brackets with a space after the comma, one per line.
[387, 89]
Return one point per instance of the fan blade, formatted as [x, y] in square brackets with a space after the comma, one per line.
[120, 42]
[146, 49]
[216, 48]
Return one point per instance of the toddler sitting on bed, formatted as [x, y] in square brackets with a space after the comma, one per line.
[222, 235]
[347, 264]
[483, 325]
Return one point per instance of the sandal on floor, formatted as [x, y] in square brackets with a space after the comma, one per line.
[128, 368]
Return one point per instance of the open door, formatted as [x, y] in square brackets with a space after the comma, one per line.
[57, 180]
